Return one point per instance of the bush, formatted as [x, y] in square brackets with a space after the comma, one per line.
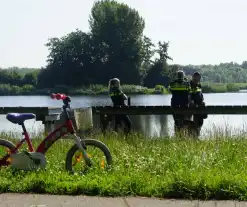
[134, 89]
[160, 89]
[7, 89]
[214, 88]
[221, 87]
[231, 87]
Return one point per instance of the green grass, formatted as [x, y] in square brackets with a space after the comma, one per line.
[96, 89]
[213, 169]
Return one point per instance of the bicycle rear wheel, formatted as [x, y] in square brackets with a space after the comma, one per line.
[100, 156]
[5, 148]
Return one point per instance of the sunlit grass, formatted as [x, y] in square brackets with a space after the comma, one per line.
[161, 167]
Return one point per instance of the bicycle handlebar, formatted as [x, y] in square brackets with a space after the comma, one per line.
[58, 96]
[66, 100]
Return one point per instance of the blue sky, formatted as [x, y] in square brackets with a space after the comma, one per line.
[199, 31]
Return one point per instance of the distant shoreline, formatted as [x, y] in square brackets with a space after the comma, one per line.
[94, 90]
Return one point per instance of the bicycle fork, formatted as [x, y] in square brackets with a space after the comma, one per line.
[82, 148]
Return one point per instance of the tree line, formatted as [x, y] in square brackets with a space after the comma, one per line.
[216, 78]
[115, 46]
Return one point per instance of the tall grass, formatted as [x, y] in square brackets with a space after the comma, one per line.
[161, 167]
[222, 87]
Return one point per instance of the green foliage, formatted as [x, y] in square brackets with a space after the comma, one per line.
[103, 90]
[214, 88]
[157, 74]
[133, 89]
[115, 46]
[202, 170]
[160, 89]
[112, 48]
[232, 87]
[69, 58]
[7, 89]
[222, 73]
[18, 77]
[222, 87]
[30, 78]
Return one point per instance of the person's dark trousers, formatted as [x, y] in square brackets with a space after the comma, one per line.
[179, 119]
[122, 118]
[198, 119]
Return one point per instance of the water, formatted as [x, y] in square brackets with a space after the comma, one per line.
[152, 125]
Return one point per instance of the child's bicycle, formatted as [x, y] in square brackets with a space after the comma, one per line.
[36, 159]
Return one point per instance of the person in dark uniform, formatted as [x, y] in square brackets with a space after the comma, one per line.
[118, 99]
[197, 99]
[180, 89]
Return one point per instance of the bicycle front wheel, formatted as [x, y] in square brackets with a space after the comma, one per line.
[98, 152]
[5, 149]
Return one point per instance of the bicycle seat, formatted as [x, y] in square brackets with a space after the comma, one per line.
[17, 118]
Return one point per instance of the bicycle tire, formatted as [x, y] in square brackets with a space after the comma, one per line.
[92, 142]
[7, 144]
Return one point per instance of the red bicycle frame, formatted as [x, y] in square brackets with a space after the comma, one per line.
[62, 130]
[55, 135]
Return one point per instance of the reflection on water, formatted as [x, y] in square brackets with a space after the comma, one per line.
[150, 125]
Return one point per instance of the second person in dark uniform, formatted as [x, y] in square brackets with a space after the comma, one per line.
[197, 99]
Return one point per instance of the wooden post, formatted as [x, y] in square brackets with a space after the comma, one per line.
[49, 126]
[50, 122]
[83, 120]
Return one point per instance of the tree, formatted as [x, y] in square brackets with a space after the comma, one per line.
[30, 79]
[44, 79]
[4, 76]
[69, 60]
[156, 75]
[163, 51]
[173, 69]
[159, 71]
[117, 32]
[14, 77]
[244, 64]
[115, 47]
[148, 52]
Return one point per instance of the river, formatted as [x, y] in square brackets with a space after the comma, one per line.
[152, 125]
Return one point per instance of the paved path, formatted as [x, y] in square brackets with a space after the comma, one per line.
[35, 200]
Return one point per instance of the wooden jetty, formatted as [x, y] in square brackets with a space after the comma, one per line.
[158, 110]
[85, 118]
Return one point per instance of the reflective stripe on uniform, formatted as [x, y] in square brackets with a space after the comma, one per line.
[116, 94]
[179, 89]
[176, 86]
[195, 90]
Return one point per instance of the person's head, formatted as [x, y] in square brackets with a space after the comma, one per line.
[180, 75]
[114, 83]
[196, 77]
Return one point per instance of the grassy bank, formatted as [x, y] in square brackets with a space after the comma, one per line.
[213, 169]
[89, 90]
[6, 89]
[223, 87]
